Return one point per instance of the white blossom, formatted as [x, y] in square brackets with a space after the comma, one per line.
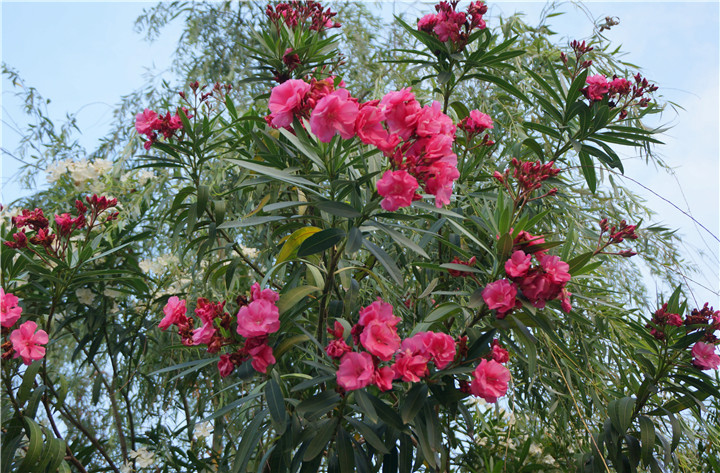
[143, 457]
[55, 170]
[85, 296]
[126, 468]
[203, 430]
[535, 449]
[144, 176]
[251, 253]
[112, 293]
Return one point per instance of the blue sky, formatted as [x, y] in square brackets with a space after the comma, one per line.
[84, 56]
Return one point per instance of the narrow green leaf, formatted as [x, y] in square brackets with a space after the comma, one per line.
[276, 405]
[320, 241]
[620, 412]
[647, 438]
[369, 435]
[322, 436]
[289, 299]
[251, 437]
[340, 209]
[385, 261]
[588, 170]
[28, 382]
[412, 402]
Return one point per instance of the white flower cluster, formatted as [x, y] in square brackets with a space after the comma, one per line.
[158, 265]
[85, 296]
[203, 430]
[143, 458]
[81, 171]
[251, 253]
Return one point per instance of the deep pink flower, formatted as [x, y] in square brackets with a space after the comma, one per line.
[260, 317]
[398, 189]
[704, 356]
[355, 371]
[174, 312]
[264, 294]
[427, 23]
[620, 86]
[262, 357]
[674, 319]
[204, 334]
[518, 264]
[379, 310]
[337, 348]
[145, 122]
[435, 346]
[380, 339]
[498, 353]
[26, 342]
[410, 367]
[490, 380]
[476, 122]
[565, 301]
[64, 223]
[432, 121]
[285, 100]
[597, 87]
[439, 181]
[9, 309]
[525, 241]
[500, 295]
[556, 269]
[383, 378]
[334, 114]
[225, 366]
[369, 124]
[401, 111]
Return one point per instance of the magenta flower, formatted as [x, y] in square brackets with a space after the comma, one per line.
[383, 378]
[704, 356]
[518, 264]
[490, 380]
[500, 295]
[262, 357]
[258, 319]
[204, 334]
[356, 371]
[431, 121]
[26, 342]
[337, 348]
[174, 311]
[498, 353]
[145, 122]
[334, 114]
[476, 122]
[556, 269]
[401, 110]
[380, 311]
[597, 87]
[9, 309]
[435, 346]
[439, 180]
[380, 339]
[225, 366]
[285, 100]
[398, 189]
[410, 367]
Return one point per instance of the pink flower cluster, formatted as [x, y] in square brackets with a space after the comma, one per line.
[25, 341]
[620, 92]
[529, 175]
[296, 13]
[255, 321]
[149, 123]
[375, 335]
[418, 140]
[451, 25]
[65, 225]
[461, 274]
[538, 284]
[490, 378]
[376, 332]
[475, 123]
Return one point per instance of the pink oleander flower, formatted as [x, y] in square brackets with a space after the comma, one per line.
[435, 346]
[498, 353]
[427, 23]
[432, 121]
[337, 348]
[525, 241]
[369, 124]
[704, 356]
[145, 122]
[401, 110]
[380, 311]
[674, 319]
[620, 86]
[204, 334]
[225, 366]
[490, 380]
[9, 309]
[26, 342]
[518, 264]
[410, 367]
[555, 269]
[264, 294]
[286, 100]
[174, 311]
[334, 114]
[597, 87]
[383, 378]
[355, 371]
[380, 339]
[259, 318]
[262, 357]
[500, 295]
[476, 122]
[398, 189]
[565, 301]
[439, 181]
